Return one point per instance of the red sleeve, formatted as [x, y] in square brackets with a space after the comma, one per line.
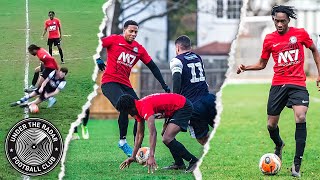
[145, 57]
[307, 41]
[266, 51]
[107, 41]
[58, 23]
[45, 24]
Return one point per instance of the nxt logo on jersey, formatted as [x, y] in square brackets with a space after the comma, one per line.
[126, 59]
[289, 57]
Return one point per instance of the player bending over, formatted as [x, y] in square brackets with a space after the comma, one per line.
[175, 107]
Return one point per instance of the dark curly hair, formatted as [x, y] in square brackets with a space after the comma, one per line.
[289, 10]
[125, 103]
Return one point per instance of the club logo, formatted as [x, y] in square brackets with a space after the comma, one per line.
[293, 39]
[34, 146]
[135, 49]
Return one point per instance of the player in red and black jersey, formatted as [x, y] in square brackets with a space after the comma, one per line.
[288, 85]
[176, 108]
[53, 25]
[123, 53]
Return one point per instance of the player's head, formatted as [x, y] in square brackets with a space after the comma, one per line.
[130, 30]
[281, 17]
[33, 49]
[126, 104]
[51, 14]
[183, 44]
[63, 71]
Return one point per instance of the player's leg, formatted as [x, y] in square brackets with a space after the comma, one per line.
[84, 128]
[35, 77]
[24, 98]
[50, 43]
[113, 91]
[57, 43]
[278, 97]
[299, 101]
[75, 135]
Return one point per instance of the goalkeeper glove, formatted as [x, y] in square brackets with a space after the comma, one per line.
[101, 64]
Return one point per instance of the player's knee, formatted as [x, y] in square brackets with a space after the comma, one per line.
[272, 126]
[166, 139]
[300, 117]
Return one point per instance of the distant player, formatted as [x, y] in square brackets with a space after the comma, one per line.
[123, 53]
[53, 25]
[189, 80]
[51, 86]
[288, 85]
[84, 128]
[175, 107]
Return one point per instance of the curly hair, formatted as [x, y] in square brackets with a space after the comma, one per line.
[289, 10]
[125, 103]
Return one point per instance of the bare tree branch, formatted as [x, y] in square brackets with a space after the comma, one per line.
[137, 12]
[174, 6]
[132, 4]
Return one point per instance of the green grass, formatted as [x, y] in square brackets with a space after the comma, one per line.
[80, 19]
[242, 137]
[99, 157]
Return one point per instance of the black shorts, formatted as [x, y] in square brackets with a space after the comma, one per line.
[46, 89]
[54, 41]
[286, 95]
[182, 116]
[46, 71]
[113, 91]
[204, 112]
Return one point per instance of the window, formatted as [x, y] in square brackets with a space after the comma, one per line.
[228, 9]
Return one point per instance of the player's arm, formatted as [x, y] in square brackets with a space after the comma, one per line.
[316, 58]
[44, 30]
[60, 30]
[44, 83]
[137, 145]
[47, 95]
[151, 162]
[157, 74]
[176, 70]
[261, 64]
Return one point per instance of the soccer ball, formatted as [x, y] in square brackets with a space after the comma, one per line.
[270, 164]
[143, 155]
[33, 108]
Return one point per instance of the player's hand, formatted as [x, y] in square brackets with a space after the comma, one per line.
[152, 165]
[101, 64]
[45, 95]
[126, 163]
[318, 83]
[241, 68]
[166, 88]
[40, 90]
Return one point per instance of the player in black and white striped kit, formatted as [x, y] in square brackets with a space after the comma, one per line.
[49, 88]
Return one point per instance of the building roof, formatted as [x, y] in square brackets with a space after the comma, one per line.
[214, 48]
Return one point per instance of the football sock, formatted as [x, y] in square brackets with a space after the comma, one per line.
[178, 148]
[122, 142]
[300, 137]
[25, 98]
[61, 54]
[50, 50]
[177, 158]
[275, 136]
[35, 78]
[86, 118]
[75, 130]
[123, 124]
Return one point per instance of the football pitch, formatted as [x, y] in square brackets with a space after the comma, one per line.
[80, 21]
[242, 136]
[99, 157]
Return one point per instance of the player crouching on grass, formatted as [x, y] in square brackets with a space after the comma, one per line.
[49, 88]
[175, 107]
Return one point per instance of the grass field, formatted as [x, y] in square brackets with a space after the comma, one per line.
[80, 20]
[242, 137]
[99, 157]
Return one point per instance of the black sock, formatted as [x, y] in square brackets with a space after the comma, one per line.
[35, 78]
[177, 158]
[75, 130]
[300, 137]
[61, 54]
[50, 50]
[275, 136]
[177, 148]
[86, 118]
[123, 122]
